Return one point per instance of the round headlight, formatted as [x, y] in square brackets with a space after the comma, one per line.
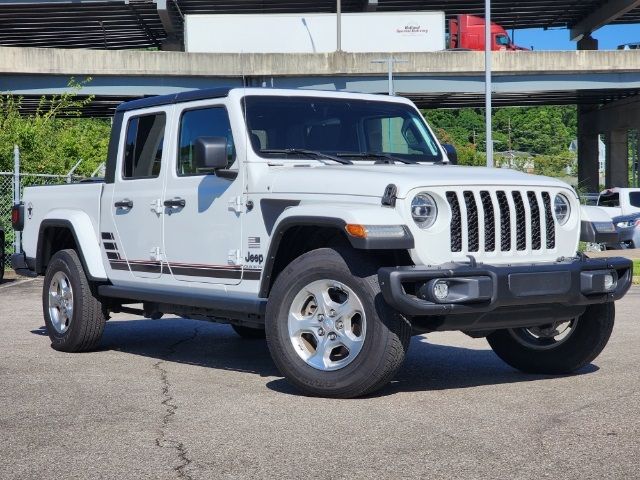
[424, 210]
[562, 208]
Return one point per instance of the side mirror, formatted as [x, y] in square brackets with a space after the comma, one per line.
[450, 150]
[210, 153]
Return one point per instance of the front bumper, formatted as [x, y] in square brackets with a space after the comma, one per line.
[485, 288]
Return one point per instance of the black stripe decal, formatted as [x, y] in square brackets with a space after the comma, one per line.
[252, 274]
[186, 270]
[119, 266]
[110, 246]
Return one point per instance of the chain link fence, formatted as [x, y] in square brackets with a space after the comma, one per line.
[8, 197]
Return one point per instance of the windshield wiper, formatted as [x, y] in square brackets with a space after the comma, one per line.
[389, 158]
[303, 151]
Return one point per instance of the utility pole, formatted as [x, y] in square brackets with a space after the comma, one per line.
[487, 81]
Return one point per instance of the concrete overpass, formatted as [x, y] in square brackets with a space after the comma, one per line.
[608, 79]
[436, 79]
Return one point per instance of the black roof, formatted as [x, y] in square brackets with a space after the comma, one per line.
[187, 96]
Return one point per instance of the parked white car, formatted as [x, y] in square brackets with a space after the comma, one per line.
[620, 201]
[334, 223]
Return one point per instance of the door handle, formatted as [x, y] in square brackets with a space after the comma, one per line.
[126, 203]
[175, 203]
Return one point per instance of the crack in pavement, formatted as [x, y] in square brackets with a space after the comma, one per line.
[162, 439]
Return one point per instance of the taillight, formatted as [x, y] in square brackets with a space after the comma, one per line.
[637, 222]
[17, 217]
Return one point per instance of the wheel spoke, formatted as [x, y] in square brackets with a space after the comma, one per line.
[321, 293]
[353, 343]
[54, 300]
[298, 323]
[321, 356]
[348, 308]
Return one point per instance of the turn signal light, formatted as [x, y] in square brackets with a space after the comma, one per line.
[358, 231]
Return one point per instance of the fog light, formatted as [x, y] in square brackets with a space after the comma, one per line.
[609, 282]
[441, 290]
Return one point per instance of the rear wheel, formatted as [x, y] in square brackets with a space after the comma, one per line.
[329, 330]
[558, 348]
[74, 317]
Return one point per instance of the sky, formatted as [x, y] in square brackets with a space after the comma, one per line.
[608, 37]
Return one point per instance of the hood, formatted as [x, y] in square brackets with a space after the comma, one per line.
[371, 180]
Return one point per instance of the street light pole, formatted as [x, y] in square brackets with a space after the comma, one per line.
[390, 61]
[339, 25]
[487, 82]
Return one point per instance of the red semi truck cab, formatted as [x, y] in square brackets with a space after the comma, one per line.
[467, 32]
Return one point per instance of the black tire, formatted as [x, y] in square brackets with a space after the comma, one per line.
[591, 334]
[387, 332]
[87, 321]
[248, 332]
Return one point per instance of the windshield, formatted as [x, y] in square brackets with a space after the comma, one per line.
[338, 127]
[502, 40]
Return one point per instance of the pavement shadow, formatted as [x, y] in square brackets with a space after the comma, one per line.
[428, 366]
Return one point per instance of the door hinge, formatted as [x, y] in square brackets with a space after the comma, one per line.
[156, 254]
[237, 204]
[156, 206]
[234, 257]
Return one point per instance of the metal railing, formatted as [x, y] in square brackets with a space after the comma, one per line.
[12, 185]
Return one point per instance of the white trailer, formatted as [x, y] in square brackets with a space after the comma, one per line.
[316, 33]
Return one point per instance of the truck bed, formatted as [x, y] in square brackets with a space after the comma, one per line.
[41, 203]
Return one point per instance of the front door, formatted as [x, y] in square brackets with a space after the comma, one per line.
[136, 203]
[202, 231]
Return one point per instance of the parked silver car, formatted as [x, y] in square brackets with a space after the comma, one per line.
[628, 228]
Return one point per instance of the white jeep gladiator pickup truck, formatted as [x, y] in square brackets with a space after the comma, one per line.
[333, 223]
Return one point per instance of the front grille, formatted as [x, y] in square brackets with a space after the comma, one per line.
[528, 211]
[456, 222]
[521, 222]
[472, 222]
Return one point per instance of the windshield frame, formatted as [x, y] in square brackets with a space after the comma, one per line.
[440, 156]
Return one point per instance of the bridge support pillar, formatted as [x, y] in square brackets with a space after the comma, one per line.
[588, 152]
[588, 138]
[617, 168]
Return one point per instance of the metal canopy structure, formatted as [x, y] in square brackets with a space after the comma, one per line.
[122, 24]
[105, 105]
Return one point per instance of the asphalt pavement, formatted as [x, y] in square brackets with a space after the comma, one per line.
[175, 398]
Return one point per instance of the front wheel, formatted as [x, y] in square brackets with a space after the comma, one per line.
[328, 328]
[557, 348]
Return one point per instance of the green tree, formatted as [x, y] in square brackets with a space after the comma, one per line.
[54, 138]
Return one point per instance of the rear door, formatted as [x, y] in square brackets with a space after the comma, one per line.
[136, 203]
[202, 231]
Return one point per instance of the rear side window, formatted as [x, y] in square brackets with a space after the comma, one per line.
[611, 200]
[143, 146]
[634, 199]
[202, 122]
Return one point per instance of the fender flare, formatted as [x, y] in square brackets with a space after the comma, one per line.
[80, 226]
[308, 220]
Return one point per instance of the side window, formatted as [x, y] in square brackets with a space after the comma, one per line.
[202, 122]
[143, 146]
[612, 200]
